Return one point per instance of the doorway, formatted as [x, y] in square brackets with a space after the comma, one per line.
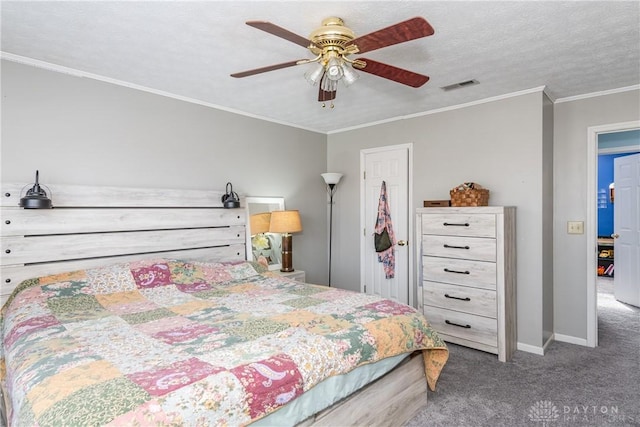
[591, 227]
[393, 165]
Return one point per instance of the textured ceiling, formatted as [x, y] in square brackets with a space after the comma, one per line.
[188, 49]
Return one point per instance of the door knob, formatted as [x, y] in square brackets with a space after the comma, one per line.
[402, 242]
[615, 235]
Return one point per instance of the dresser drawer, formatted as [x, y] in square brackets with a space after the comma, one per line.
[479, 274]
[474, 225]
[473, 248]
[471, 327]
[460, 298]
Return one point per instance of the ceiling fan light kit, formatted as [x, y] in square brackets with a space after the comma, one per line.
[314, 74]
[332, 44]
[349, 76]
[334, 69]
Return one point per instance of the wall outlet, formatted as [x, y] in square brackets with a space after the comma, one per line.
[575, 227]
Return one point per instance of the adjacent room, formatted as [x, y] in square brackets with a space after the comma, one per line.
[320, 213]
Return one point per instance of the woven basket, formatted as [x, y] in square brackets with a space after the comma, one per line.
[470, 197]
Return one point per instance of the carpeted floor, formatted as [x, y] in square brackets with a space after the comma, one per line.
[570, 385]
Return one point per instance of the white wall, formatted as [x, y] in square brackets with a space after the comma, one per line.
[572, 118]
[497, 144]
[83, 131]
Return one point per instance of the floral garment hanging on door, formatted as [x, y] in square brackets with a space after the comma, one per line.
[387, 257]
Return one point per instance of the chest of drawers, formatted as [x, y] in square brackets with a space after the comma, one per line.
[467, 275]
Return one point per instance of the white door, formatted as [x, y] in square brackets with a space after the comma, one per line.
[392, 165]
[626, 229]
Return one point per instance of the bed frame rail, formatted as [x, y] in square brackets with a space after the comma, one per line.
[390, 401]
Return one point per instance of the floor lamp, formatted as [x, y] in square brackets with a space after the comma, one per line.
[332, 180]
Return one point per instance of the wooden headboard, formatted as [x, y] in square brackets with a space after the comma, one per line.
[94, 226]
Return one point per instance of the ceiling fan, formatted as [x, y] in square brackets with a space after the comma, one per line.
[333, 43]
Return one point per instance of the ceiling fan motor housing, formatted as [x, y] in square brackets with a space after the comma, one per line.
[332, 35]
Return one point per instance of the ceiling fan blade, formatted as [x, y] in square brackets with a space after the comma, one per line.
[266, 69]
[327, 88]
[404, 31]
[324, 95]
[396, 74]
[280, 32]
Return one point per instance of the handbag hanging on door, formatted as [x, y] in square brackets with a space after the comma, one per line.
[382, 241]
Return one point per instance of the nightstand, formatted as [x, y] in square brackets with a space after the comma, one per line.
[297, 275]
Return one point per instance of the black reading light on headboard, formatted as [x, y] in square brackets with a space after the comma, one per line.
[230, 199]
[36, 197]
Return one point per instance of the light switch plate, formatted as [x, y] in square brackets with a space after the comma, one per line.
[575, 227]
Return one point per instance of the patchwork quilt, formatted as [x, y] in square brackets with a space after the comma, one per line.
[167, 342]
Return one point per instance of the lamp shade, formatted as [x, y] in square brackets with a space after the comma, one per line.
[334, 69]
[348, 75]
[313, 76]
[285, 222]
[331, 178]
[259, 222]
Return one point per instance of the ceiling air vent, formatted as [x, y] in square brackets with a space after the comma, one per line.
[460, 85]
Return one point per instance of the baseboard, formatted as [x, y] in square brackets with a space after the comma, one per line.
[554, 337]
[571, 340]
[531, 348]
[548, 343]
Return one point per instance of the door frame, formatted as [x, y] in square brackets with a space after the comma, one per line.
[410, 219]
[591, 226]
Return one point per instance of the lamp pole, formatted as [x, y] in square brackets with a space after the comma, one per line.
[332, 189]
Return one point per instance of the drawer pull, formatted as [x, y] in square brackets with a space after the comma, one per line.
[453, 224]
[456, 271]
[456, 247]
[461, 299]
[457, 324]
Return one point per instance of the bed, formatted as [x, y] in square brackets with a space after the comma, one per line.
[137, 307]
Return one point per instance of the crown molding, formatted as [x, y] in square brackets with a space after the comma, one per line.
[441, 110]
[82, 74]
[596, 94]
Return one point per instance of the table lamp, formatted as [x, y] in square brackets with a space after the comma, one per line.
[259, 223]
[286, 222]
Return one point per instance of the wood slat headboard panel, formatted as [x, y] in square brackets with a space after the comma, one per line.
[94, 220]
[95, 226]
[116, 197]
